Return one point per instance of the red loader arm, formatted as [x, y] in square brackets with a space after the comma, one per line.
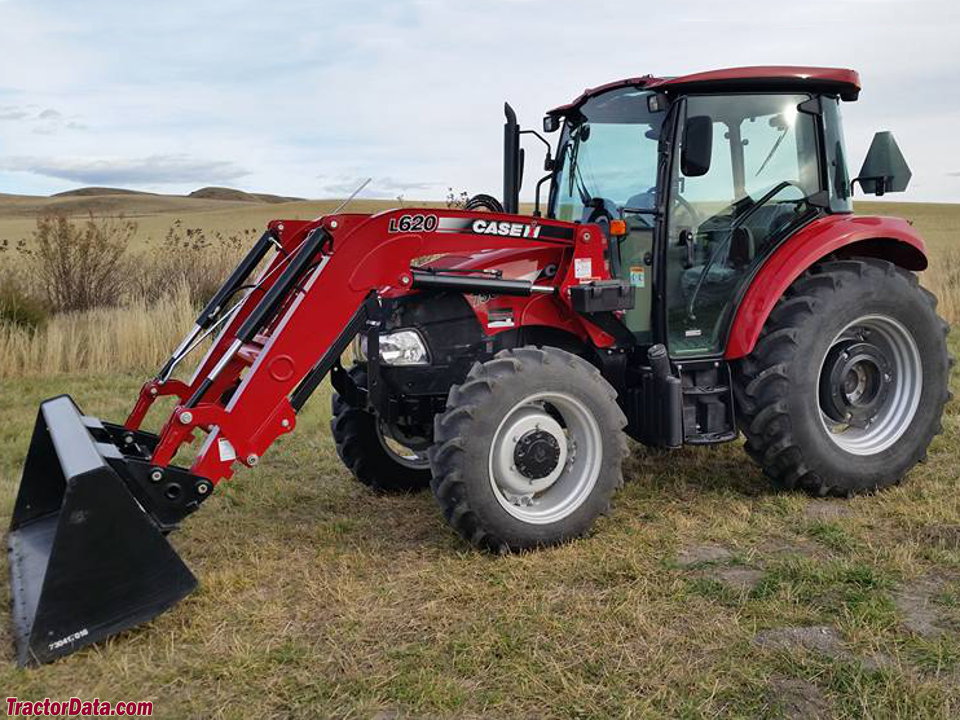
[318, 291]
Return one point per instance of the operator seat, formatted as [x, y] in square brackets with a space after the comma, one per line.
[749, 239]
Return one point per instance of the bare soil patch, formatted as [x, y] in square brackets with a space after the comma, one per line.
[698, 554]
[794, 699]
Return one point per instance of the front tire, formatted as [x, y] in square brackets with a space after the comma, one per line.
[845, 388]
[528, 452]
[370, 454]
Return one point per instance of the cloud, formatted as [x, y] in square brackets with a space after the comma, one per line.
[45, 122]
[12, 112]
[156, 169]
[378, 187]
[410, 92]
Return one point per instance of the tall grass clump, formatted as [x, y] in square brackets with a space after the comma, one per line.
[943, 280]
[74, 297]
[20, 307]
[135, 337]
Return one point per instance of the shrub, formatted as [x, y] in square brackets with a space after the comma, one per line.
[18, 307]
[457, 201]
[189, 258]
[79, 265]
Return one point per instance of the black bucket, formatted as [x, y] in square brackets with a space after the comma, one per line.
[88, 554]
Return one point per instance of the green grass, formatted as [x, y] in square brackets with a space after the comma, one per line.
[319, 599]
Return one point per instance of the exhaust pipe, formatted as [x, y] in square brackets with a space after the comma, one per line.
[87, 547]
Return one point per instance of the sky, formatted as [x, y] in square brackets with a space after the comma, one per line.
[309, 97]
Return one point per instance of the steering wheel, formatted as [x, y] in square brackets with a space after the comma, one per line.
[694, 214]
[734, 226]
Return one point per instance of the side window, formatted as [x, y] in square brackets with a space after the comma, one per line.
[764, 165]
[837, 174]
[769, 151]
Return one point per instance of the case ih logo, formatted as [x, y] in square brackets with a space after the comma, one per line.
[506, 229]
[426, 222]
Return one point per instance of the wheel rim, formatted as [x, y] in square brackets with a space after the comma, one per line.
[400, 453]
[545, 457]
[870, 383]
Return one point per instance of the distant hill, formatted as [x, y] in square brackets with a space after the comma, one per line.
[222, 193]
[95, 191]
[110, 201]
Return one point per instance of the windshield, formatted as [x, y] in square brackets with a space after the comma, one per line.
[608, 152]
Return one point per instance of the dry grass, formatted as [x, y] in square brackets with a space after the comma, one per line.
[943, 278]
[138, 336]
[319, 599]
[939, 224]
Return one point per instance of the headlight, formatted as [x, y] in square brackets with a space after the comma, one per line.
[403, 347]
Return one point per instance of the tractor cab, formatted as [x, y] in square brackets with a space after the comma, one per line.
[707, 174]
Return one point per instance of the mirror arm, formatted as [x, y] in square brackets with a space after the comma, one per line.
[536, 197]
[548, 161]
[539, 137]
[881, 181]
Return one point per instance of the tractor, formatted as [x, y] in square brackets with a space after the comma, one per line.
[691, 270]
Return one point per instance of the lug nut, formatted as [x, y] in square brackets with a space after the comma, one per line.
[156, 475]
[186, 417]
[252, 459]
[203, 488]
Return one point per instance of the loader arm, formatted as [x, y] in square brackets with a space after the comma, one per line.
[88, 552]
[309, 302]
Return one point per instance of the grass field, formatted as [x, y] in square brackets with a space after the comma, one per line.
[704, 594]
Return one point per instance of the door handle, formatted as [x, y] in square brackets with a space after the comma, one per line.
[688, 241]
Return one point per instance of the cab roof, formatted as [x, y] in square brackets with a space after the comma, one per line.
[835, 81]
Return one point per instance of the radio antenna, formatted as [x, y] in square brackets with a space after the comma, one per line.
[346, 202]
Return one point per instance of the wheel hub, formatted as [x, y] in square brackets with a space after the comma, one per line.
[530, 455]
[870, 384]
[855, 382]
[536, 454]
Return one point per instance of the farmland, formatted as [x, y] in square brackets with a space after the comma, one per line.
[703, 594]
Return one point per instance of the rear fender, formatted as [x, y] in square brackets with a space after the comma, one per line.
[892, 239]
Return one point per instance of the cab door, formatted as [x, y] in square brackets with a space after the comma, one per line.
[745, 174]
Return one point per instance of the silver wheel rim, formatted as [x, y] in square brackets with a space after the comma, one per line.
[401, 454]
[579, 450]
[890, 373]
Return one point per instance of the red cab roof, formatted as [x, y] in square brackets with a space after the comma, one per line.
[840, 81]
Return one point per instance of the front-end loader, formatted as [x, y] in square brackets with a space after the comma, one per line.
[696, 272]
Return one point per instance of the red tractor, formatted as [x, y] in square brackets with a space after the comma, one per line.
[696, 271]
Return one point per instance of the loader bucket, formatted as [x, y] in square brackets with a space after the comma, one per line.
[86, 559]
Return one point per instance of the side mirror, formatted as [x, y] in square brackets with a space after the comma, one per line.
[697, 146]
[884, 169]
[551, 123]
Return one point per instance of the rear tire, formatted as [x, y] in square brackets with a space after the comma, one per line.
[846, 386]
[528, 452]
[372, 457]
